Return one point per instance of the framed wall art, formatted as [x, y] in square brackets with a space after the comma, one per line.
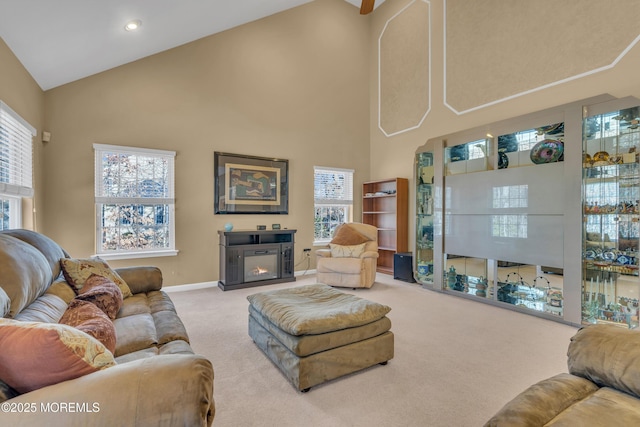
[250, 184]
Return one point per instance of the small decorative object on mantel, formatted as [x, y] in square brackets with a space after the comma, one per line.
[275, 226]
[262, 227]
[228, 226]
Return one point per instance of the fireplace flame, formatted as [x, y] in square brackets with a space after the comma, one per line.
[259, 270]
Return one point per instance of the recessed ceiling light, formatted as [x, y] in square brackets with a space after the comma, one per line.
[133, 25]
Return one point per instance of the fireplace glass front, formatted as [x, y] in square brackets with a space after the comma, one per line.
[260, 265]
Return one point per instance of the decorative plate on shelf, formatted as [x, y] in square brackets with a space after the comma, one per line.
[623, 259]
[609, 255]
[547, 151]
[601, 158]
[590, 254]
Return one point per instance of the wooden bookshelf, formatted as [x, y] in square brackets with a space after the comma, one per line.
[385, 205]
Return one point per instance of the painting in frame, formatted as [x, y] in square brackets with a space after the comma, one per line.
[250, 184]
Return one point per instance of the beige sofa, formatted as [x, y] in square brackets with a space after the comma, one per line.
[602, 387]
[340, 266]
[156, 379]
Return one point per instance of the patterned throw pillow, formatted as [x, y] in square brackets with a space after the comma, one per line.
[346, 235]
[77, 271]
[103, 293]
[88, 318]
[339, 251]
[36, 354]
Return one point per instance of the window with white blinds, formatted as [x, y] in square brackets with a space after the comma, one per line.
[134, 195]
[333, 200]
[16, 165]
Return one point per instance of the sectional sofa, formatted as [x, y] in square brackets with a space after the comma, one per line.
[84, 345]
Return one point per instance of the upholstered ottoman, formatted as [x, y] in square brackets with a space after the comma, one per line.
[315, 333]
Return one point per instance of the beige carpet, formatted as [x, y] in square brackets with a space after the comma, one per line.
[456, 362]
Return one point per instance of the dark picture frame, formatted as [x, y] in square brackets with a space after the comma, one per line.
[250, 184]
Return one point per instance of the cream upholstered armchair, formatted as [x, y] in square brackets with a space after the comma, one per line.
[350, 261]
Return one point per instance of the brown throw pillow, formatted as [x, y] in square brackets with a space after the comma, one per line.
[77, 271]
[346, 235]
[86, 317]
[36, 354]
[102, 292]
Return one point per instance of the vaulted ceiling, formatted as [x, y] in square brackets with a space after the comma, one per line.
[65, 40]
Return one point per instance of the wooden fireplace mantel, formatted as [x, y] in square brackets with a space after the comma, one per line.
[235, 245]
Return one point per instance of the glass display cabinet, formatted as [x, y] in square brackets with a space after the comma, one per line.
[530, 287]
[424, 217]
[538, 213]
[611, 217]
[467, 275]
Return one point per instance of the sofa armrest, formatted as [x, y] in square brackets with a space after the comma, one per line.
[167, 390]
[141, 279]
[323, 253]
[541, 402]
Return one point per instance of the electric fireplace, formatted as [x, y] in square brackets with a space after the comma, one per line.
[255, 258]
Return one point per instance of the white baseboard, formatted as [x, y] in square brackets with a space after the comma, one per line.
[304, 273]
[190, 286]
[213, 284]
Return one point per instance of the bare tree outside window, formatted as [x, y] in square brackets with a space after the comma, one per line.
[134, 200]
[333, 200]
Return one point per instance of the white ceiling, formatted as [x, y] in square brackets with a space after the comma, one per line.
[59, 41]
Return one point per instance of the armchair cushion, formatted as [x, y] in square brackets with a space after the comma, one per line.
[345, 235]
[352, 251]
[343, 266]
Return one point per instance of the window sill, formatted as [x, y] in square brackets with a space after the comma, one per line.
[134, 255]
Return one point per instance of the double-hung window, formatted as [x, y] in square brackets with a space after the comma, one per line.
[134, 196]
[16, 166]
[333, 200]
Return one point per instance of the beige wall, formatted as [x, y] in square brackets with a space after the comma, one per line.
[393, 156]
[20, 92]
[292, 86]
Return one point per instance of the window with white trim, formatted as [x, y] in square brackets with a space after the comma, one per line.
[134, 196]
[16, 166]
[333, 200]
